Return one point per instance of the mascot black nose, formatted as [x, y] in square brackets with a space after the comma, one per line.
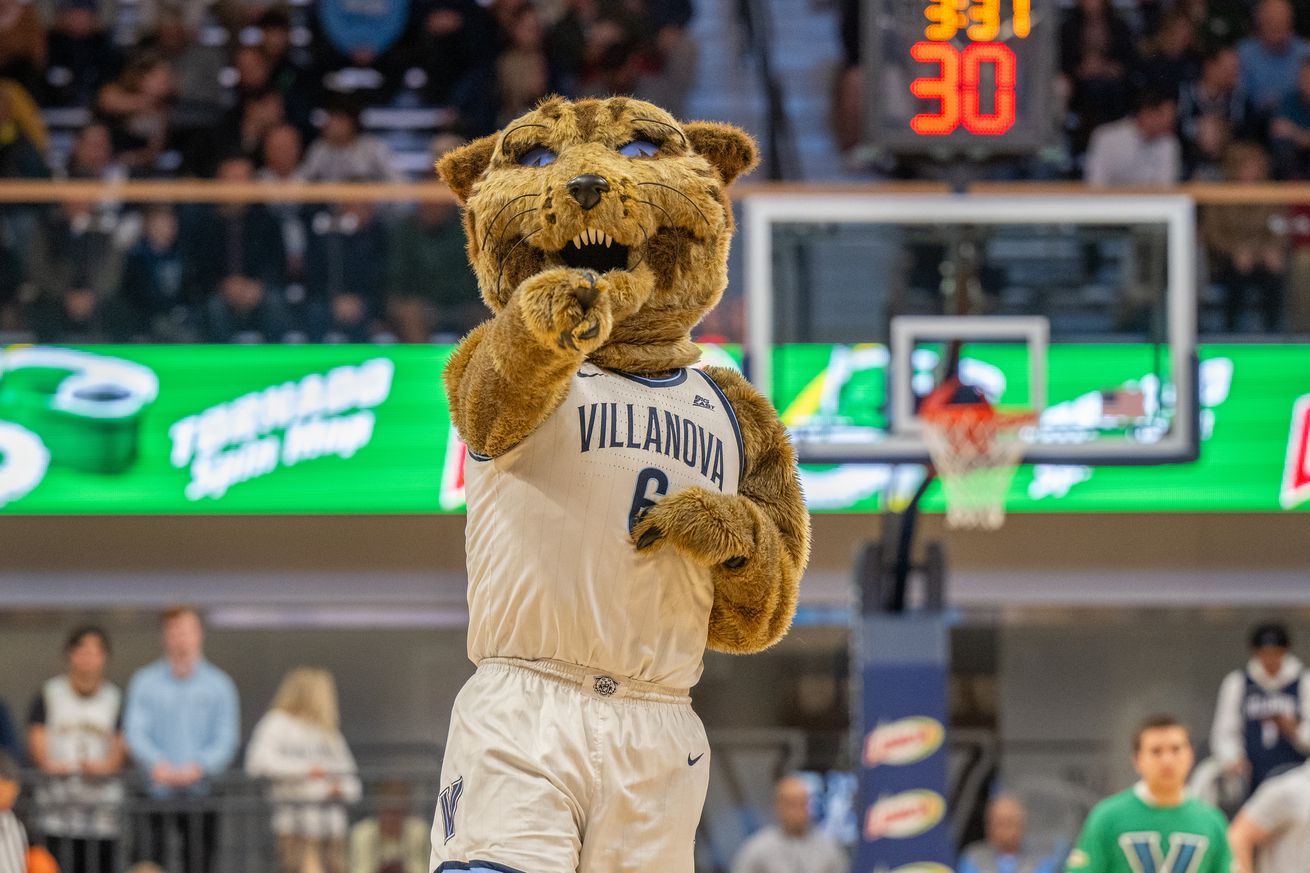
[586, 189]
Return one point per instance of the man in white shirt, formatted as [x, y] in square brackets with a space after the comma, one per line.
[793, 845]
[1276, 822]
[1141, 149]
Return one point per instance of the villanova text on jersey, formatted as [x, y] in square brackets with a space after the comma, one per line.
[650, 429]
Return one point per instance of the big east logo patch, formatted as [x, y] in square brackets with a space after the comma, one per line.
[1296, 475]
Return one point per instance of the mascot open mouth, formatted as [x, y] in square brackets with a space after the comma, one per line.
[594, 250]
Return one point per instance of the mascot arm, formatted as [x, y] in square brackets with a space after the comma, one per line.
[756, 542]
[513, 371]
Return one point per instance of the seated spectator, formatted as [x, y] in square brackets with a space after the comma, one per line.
[138, 108]
[75, 737]
[288, 73]
[1173, 59]
[1139, 150]
[298, 746]
[1096, 55]
[13, 836]
[82, 56]
[394, 841]
[240, 131]
[345, 273]
[22, 44]
[92, 156]
[1208, 151]
[451, 49]
[223, 241]
[794, 845]
[1217, 22]
[1003, 850]
[20, 156]
[152, 281]
[182, 724]
[1248, 245]
[196, 68]
[522, 72]
[1271, 58]
[1290, 130]
[344, 153]
[673, 54]
[1214, 95]
[75, 269]
[280, 154]
[430, 286]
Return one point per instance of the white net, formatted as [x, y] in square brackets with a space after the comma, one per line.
[975, 451]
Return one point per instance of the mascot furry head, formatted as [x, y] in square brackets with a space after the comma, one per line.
[599, 233]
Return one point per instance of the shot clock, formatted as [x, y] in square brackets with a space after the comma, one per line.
[960, 76]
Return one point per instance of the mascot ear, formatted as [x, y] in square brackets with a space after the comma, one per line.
[459, 168]
[730, 149]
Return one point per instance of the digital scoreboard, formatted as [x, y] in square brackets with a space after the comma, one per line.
[968, 77]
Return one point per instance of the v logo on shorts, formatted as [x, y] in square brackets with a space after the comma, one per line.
[1144, 856]
[449, 802]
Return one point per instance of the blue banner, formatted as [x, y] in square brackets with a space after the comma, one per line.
[904, 664]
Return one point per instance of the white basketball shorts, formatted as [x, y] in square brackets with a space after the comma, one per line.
[554, 768]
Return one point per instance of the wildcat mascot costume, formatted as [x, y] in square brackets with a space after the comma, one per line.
[624, 509]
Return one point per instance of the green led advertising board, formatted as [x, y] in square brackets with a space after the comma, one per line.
[172, 430]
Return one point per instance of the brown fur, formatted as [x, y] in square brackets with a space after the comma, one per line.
[673, 213]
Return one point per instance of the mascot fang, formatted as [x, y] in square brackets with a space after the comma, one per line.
[625, 510]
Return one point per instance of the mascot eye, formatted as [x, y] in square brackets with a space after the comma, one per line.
[639, 148]
[537, 156]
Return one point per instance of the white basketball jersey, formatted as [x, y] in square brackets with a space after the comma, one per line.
[552, 571]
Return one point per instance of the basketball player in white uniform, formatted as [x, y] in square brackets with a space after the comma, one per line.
[617, 752]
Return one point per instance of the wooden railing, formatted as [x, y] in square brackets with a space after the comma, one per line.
[209, 191]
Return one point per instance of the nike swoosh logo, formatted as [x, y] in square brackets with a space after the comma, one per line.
[691, 762]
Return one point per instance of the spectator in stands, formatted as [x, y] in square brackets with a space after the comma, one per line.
[344, 152]
[82, 56]
[1271, 58]
[1276, 822]
[522, 71]
[793, 845]
[1213, 96]
[673, 54]
[1248, 245]
[1173, 59]
[280, 154]
[92, 156]
[1290, 130]
[75, 269]
[451, 49]
[234, 260]
[13, 836]
[20, 153]
[1003, 850]
[182, 724]
[430, 288]
[394, 841]
[345, 272]
[281, 163]
[299, 747]
[138, 108]
[75, 737]
[1096, 55]
[288, 73]
[240, 131]
[1156, 813]
[196, 68]
[1139, 150]
[1262, 718]
[22, 44]
[152, 281]
[1218, 22]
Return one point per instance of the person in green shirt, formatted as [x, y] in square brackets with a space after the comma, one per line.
[1155, 827]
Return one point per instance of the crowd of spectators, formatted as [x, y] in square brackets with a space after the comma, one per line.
[173, 737]
[238, 90]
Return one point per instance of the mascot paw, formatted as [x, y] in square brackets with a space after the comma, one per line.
[709, 528]
[568, 308]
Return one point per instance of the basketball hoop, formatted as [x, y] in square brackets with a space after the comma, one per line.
[975, 450]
